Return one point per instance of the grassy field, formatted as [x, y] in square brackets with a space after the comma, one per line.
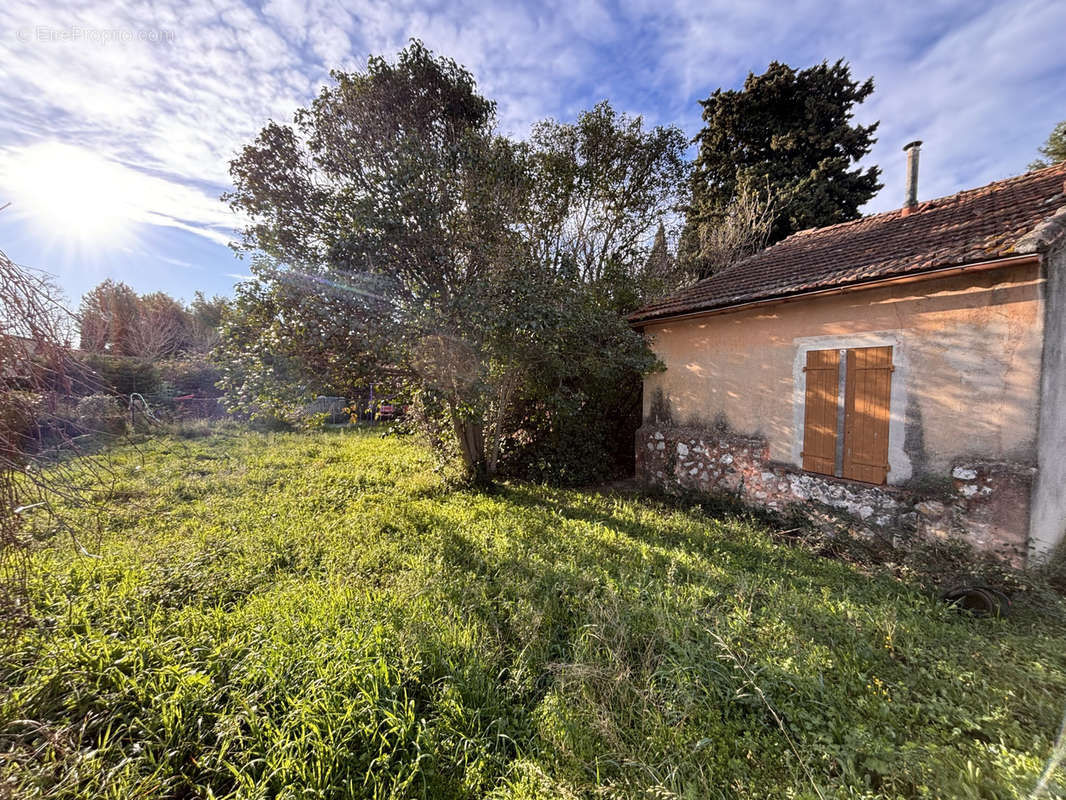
[320, 616]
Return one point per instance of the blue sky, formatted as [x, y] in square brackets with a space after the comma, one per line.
[118, 118]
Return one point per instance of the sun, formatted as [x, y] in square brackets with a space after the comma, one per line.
[70, 195]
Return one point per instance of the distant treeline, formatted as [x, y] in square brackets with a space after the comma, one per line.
[115, 320]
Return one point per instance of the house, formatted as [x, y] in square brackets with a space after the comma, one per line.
[907, 368]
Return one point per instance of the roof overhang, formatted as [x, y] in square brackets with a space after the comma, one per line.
[940, 272]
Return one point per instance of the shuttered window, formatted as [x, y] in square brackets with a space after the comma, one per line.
[820, 411]
[867, 394]
[867, 403]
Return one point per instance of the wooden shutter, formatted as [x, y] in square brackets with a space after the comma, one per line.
[820, 411]
[867, 395]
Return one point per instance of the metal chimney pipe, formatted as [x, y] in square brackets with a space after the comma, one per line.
[912, 150]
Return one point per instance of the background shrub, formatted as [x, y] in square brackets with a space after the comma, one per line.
[100, 413]
[124, 374]
[18, 423]
[577, 435]
[195, 375]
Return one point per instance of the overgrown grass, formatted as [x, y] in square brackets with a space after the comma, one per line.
[320, 616]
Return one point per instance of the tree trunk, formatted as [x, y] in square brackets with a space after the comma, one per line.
[508, 384]
[471, 437]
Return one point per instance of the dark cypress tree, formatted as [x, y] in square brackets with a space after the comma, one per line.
[660, 263]
[789, 133]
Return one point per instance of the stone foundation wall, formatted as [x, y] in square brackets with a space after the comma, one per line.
[985, 503]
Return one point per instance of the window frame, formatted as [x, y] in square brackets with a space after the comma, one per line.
[899, 464]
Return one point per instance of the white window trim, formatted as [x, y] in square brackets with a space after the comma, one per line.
[899, 464]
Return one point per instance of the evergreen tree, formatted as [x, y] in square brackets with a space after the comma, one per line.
[660, 263]
[1054, 149]
[662, 274]
[792, 132]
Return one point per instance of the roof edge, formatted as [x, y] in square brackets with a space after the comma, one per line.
[934, 202]
[1044, 235]
[906, 277]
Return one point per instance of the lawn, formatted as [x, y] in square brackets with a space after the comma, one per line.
[321, 616]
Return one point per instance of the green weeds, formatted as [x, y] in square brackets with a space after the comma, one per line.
[320, 616]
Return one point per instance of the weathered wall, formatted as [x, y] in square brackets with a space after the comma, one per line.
[1049, 495]
[986, 504]
[967, 351]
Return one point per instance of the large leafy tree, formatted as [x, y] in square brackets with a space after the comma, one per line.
[601, 186]
[1054, 149]
[388, 216]
[286, 337]
[106, 318]
[791, 135]
[402, 241]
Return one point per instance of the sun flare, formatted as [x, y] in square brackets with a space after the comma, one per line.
[69, 194]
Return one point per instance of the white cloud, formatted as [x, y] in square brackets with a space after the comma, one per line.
[64, 190]
[981, 98]
[980, 83]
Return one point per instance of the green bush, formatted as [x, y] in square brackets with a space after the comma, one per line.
[124, 374]
[100, 413]
[576, 436]
[195, 375]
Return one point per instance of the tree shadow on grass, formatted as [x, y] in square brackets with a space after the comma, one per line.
[724, 529]
[819, 638]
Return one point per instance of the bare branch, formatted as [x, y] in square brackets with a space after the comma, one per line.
[742, 230]
[39, 376]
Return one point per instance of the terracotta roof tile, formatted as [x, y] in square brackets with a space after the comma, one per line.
[1000, 220]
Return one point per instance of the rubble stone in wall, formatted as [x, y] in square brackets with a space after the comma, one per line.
[988, 506]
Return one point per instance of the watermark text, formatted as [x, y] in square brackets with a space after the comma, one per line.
[75, 33]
